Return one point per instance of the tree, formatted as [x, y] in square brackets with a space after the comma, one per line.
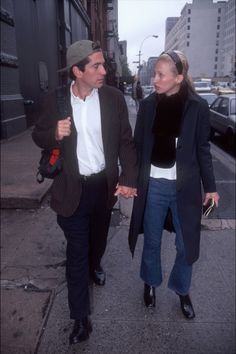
[126, 73]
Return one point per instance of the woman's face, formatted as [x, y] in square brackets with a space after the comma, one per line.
[165, 80]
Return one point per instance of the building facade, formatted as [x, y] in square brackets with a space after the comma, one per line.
[205, 32]
[146, 73]
[228, 67]
[34, 38]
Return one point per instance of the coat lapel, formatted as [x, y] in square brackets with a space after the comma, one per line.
[151, 114]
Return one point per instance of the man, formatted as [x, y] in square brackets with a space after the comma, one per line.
[137, 93]
[92, 134]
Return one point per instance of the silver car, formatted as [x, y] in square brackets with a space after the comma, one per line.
[223, 117]
[209, 97]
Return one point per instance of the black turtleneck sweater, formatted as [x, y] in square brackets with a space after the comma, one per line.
[166, 128]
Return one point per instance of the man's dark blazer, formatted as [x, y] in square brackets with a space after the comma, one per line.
[193, 165]
[117, 142]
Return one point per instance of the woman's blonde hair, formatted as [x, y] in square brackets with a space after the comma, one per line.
[179, 65]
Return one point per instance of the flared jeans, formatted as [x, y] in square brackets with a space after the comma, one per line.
[161, 196]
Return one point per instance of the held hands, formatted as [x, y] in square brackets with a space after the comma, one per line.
[214, 196]
[126, 192]
[63, 128]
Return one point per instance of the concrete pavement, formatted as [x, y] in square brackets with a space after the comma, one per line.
[34, 312]
[19, 164]
[121, 323]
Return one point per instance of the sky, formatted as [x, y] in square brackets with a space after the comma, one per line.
[138, 19]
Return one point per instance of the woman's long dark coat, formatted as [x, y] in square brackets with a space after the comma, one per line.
[193, 165]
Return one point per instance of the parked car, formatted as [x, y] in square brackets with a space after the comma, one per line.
[128, 89]
[147, 90]
[219, 90]
[209, 97]
[202, 86]
[223, 117]
[233, 85]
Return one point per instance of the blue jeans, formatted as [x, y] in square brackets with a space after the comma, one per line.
[161, 196]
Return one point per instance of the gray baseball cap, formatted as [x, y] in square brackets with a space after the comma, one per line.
[79, 51]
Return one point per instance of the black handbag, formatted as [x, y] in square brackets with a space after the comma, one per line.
[50, 164]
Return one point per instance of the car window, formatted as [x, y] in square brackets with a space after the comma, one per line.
[233, 106]
[209, 98]
[224, 106]
[216, 104]
[201, 84]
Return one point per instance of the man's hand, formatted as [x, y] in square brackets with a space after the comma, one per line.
[126, 192]
[63, 128]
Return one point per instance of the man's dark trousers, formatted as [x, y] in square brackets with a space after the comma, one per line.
[86, 234]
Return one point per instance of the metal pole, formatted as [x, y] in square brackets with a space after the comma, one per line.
[139, 53]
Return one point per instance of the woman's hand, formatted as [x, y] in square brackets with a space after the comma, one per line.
[214, 196]
[127, 192]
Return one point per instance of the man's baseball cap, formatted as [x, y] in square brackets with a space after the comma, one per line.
[79, 51]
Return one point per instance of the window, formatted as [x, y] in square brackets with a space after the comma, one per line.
[219, 10]
[188, 35]
[216, 104]
[187, 44]
[216, 58]
[215, 67]
[224, 107]
[189, 19]
[218, 18]
[189, 11]
[218, 27]
[217, 35]
[233, 106]
[188, 27]
[217, 50]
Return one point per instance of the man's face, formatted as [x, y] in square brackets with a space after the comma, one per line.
[94, 73]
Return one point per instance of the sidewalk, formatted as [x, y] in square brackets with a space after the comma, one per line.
[35, 317]
[19, 164]
[34, 311]
[121, 323]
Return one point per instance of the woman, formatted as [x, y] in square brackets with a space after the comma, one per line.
[171, 136]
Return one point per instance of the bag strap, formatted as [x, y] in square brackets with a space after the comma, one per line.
[39, 177]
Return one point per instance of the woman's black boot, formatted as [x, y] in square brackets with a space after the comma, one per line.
[149, 296]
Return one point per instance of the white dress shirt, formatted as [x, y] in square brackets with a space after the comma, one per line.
[87, 119]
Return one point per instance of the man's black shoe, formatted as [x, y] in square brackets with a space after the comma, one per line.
[149, 296]
[99, 276]
[186, 306]
[81, 330]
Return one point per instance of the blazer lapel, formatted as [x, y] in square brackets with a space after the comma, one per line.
[105, 112]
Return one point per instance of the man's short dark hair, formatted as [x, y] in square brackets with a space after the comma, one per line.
[81, 65]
